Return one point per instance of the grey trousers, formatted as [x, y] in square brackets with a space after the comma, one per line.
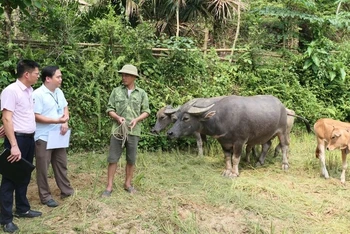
[58, 160]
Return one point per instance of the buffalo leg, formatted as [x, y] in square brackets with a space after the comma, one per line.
[254, 152]
[237, 151]
[199, 143]
[228, 160]
[265, 149]
[277, 150]
[284, 146]
[248, 149]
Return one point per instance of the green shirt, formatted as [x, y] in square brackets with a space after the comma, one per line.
[128, 107]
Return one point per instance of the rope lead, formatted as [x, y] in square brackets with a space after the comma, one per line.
[121, 133]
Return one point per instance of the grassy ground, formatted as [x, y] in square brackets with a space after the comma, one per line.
[179, 192]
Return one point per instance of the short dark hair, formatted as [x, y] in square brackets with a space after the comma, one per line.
[26, 65]
[48, 71]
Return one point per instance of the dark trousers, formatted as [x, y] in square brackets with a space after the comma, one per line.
[58, 160]
[7, 187]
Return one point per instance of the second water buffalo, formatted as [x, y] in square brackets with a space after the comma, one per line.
[168, 115]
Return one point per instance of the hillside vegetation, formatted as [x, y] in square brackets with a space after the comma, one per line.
[297, 51]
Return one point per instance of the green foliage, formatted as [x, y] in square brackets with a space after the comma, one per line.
[23, 5]
[285, 13]
[318, 57]
[324, 71]
[53, 22]
[314, 83]
[175, 43]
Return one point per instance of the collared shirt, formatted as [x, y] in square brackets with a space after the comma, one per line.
[128, 107]
[51, 105]
[17, 98]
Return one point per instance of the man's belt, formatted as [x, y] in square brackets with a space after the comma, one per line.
[19, 134]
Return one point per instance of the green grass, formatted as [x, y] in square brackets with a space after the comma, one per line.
[183, 193]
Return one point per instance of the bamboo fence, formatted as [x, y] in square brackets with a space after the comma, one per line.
[223, 53]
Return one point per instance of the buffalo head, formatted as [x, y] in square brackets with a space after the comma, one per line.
[189, 121]
[165, 116]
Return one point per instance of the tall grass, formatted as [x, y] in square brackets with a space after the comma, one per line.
[179, 192]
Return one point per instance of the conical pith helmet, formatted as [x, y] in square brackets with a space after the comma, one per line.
[129, 69]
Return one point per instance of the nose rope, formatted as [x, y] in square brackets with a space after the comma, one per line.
[121, 133]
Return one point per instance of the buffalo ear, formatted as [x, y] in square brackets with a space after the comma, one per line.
[173, 117]
[209, 115]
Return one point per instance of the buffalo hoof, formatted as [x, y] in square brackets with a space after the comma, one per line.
[259, 164]
[233, 176]
[229, 174]
[285, 166]
[226, 173]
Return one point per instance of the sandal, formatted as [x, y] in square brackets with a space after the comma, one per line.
[106, 193]
[130, 190]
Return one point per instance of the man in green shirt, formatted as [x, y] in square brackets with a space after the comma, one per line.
[127, 106]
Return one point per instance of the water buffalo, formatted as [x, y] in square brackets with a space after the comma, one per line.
[168, 115]
[265, 147]
[235, 121]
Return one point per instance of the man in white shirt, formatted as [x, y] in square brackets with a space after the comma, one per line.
[51, 113]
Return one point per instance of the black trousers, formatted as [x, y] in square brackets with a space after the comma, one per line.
[7, 188]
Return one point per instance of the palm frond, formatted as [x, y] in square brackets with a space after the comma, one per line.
[225, 9]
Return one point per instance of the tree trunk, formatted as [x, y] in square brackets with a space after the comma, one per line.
[206, 39]
[8, 23]
[237, 29]
[178, 19]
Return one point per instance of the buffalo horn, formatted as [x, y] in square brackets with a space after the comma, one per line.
[190, 103]
[171, 111]
[199, 110]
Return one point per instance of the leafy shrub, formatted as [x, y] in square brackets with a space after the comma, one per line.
[313, 84]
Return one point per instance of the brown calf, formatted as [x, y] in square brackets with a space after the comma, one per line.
[331, 134]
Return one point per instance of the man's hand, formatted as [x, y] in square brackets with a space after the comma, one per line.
[121, 120]
[64, 128]
[15, 154]
[63, 119]
[133, 123]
